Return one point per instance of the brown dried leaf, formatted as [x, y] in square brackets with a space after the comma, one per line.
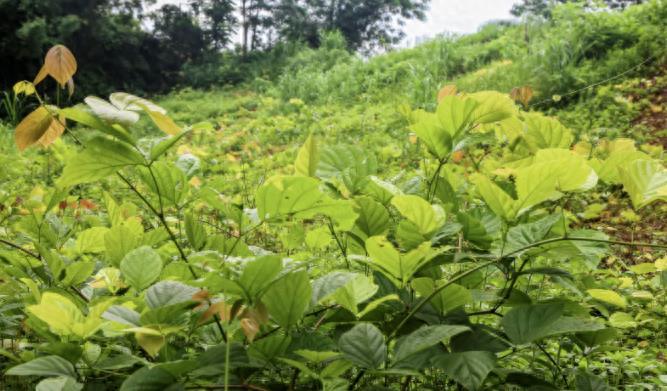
[60, 64]
[522, 94]
[33, 127]
[449, 89]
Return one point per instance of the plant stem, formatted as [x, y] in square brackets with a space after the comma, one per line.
[437, 290]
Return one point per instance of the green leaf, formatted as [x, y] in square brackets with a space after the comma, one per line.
[497, 200]
[493, 107]
[425, 337]
[165, 293]
[58, 312]
[523, 235]
[437, 139]
[350, 164]
[86, 118]
[528, 323]
[140, 267]
[456, 116]
[300, 197]
[163, 146]
[120, 240]
[469, 369]
[609, 297]
[645, 181]
[288, 298]
[586, 381]
[101, 158]
[44, 366]
[60, 383]
[326, 285]
[355, 292]
[450, 298]
[398, 267]
[195, 232]
[426, 217]
[544, 132]
[91, 240]
[373, 218]
[110, 113]
[364, 345]
[258, 274]
[307, 158]
[148, 379]
[167, 182]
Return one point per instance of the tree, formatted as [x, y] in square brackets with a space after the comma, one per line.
[543, 7]
[219, 22]
[364, 24]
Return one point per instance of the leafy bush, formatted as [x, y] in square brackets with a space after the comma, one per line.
[458, 262]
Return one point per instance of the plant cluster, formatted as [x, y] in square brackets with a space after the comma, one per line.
[469, 268]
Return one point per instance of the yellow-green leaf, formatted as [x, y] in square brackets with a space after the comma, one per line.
[608, 296]
[307, 158]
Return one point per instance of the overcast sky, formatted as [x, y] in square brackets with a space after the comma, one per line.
[455, 16]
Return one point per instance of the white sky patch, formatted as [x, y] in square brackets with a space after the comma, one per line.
[444, 16]
[456, 16]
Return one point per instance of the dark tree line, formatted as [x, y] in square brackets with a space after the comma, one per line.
[131, 44]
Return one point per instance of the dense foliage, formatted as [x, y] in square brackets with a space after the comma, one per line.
[347, 227]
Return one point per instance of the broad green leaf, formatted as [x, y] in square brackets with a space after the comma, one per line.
[425, 337]
[373, 218]
[645, 181]
[355, 292]
[148, 379]
[622, 320]
[609, 297]
[436, 138]
[586, 381]
[122, 315]
[300, 197]
[523, 235]
[195, 232]
[110, 113]
[152, 344]
[326, 285]
[364, 345]
[307, 158]
[608, 171]
[450, 298]
[125, 101]
[121, 239]
[44, 366]
[420, 212]
[163, 146]
[544, 132]
[165, 293]
[528, 323]
[492, 107]
[351, 165]
[374, 304]
[288, 298]
[497, 200]
[101, 158]
[77, 272]
[167, 182]
[60, 383]
[140, 267]
[58, 312]
[456, 115]
[469, 369]
[258, 274]
[398, 267]
[91, 240]
[84, 117]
